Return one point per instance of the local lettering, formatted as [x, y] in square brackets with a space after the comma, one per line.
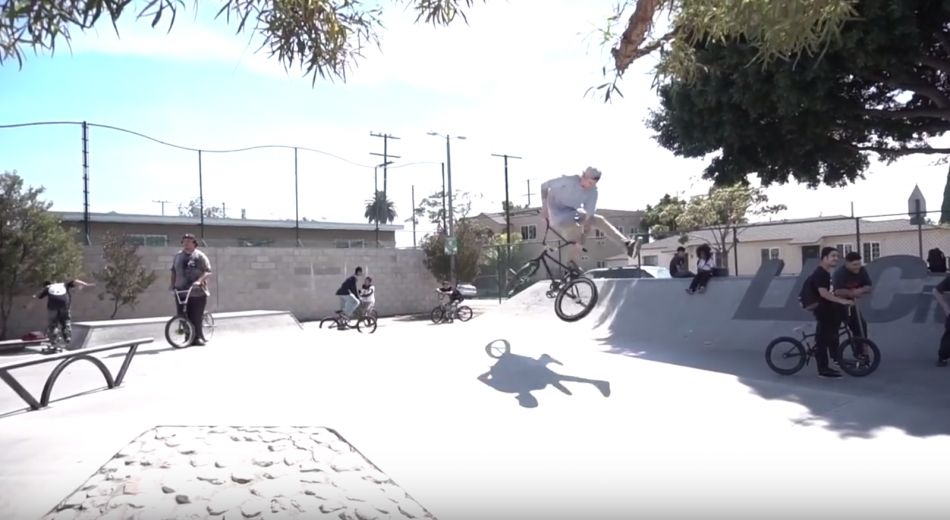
[918, 304]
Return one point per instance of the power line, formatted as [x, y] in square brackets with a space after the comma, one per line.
[386, 156]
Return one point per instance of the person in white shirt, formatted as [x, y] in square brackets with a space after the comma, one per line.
[368, 295]
[704, 269]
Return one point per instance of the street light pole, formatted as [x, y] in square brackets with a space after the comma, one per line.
[376, 208]
[507, 212]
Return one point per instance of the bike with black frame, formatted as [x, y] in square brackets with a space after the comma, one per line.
[857, 356]
[568, 286]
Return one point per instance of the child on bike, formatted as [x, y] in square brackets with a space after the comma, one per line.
[452, 293]
[368, 295]
[58, 315]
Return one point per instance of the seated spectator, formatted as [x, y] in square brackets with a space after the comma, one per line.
[936, 261]
[678, 267]
[704, 269]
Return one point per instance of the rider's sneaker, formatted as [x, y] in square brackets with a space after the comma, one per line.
[830, 373]
[633, 247]
[941, 362]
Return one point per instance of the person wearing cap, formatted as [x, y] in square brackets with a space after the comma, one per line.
[191, 269]
[561, 201]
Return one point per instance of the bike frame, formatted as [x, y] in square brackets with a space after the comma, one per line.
[843, 331]
[546, 253]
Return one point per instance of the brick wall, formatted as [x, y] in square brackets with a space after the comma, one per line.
[296, 279]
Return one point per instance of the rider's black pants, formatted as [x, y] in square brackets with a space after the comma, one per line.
[855, 321]
[944, 352]
[195, 310]
[826, 335]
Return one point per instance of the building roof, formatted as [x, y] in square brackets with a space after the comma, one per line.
[175, 220]
[795, 231]
[499, 217]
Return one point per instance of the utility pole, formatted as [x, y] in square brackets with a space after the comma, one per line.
[448, 176]
[162, 202]
[85, 181]
[507, 200]
[529, 192]
[385, 155]
[413, 216]
[444, 213]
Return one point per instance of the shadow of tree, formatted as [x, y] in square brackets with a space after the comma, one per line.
[903, 393]
[522, 375]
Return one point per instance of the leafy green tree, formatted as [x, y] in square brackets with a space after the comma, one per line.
[723, 211]
[379, 209]
[472, 239]
[323, 37]
[193, 208]
[123, 276]
[34, 245]
[663, 219]
[881, 87]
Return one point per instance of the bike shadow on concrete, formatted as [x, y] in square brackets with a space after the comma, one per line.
[523, 376]
[908, 394]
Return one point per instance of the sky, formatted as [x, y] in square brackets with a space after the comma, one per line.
[508, 81]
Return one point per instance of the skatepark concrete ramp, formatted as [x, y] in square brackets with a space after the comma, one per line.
[92, 333]
[746, 313]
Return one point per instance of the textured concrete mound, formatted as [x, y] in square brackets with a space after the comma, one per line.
[185, 472]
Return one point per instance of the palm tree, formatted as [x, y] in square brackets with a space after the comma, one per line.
[379, 209]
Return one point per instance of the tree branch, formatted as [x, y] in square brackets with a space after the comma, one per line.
[944, 40]
[935, 63]
[640, 22]
[915, 85]
[884, 150]
[909, 113]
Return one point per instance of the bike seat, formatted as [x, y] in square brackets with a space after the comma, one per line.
[799, 328]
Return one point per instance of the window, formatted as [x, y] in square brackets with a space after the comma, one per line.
[344, 243]
[254, 242]
[651, 260]
[598, 234]
[601, 263]
[872, 251]
[769, 253]
[149, 240]
[620, 229]
[529, 232]
[844, 248]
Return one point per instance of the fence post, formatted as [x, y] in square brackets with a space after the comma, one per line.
[857, 231]
[85, 181]
[920, 229]
[735, 251]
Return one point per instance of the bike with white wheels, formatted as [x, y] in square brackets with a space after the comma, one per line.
[179, 332]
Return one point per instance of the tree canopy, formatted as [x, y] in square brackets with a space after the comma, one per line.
[323, 37]
[880, 87]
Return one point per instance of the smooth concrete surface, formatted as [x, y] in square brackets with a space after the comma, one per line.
[710, 435]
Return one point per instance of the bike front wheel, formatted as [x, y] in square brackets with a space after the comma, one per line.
[179, 332]
[576, 299]
[464, 313]
[207, 326]
[437, 315]
[858, 357]
[367, 324]
[785, 355]
[521, 277]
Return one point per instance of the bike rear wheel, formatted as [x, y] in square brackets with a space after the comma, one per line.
[858, 357]
[207, 326]
[367, 324]
[179, 332]
[582, 293]
[521, 276]
[464, 313]
[785, 355]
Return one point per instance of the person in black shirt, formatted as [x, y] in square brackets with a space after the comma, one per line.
[817, 297]
[349, 294]
[453, 294]
[940, 295]
[852, 281]
[58, 303]
[678, 268]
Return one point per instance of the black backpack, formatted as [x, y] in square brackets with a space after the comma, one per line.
[806, 298]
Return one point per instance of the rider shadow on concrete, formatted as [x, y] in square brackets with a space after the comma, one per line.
[522, 375]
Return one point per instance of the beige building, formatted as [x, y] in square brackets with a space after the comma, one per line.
[162, 231]
[529, 225]
[794, 241]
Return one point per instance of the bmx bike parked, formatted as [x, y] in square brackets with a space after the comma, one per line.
[570, 286]
[857, 356]
[179, 332]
